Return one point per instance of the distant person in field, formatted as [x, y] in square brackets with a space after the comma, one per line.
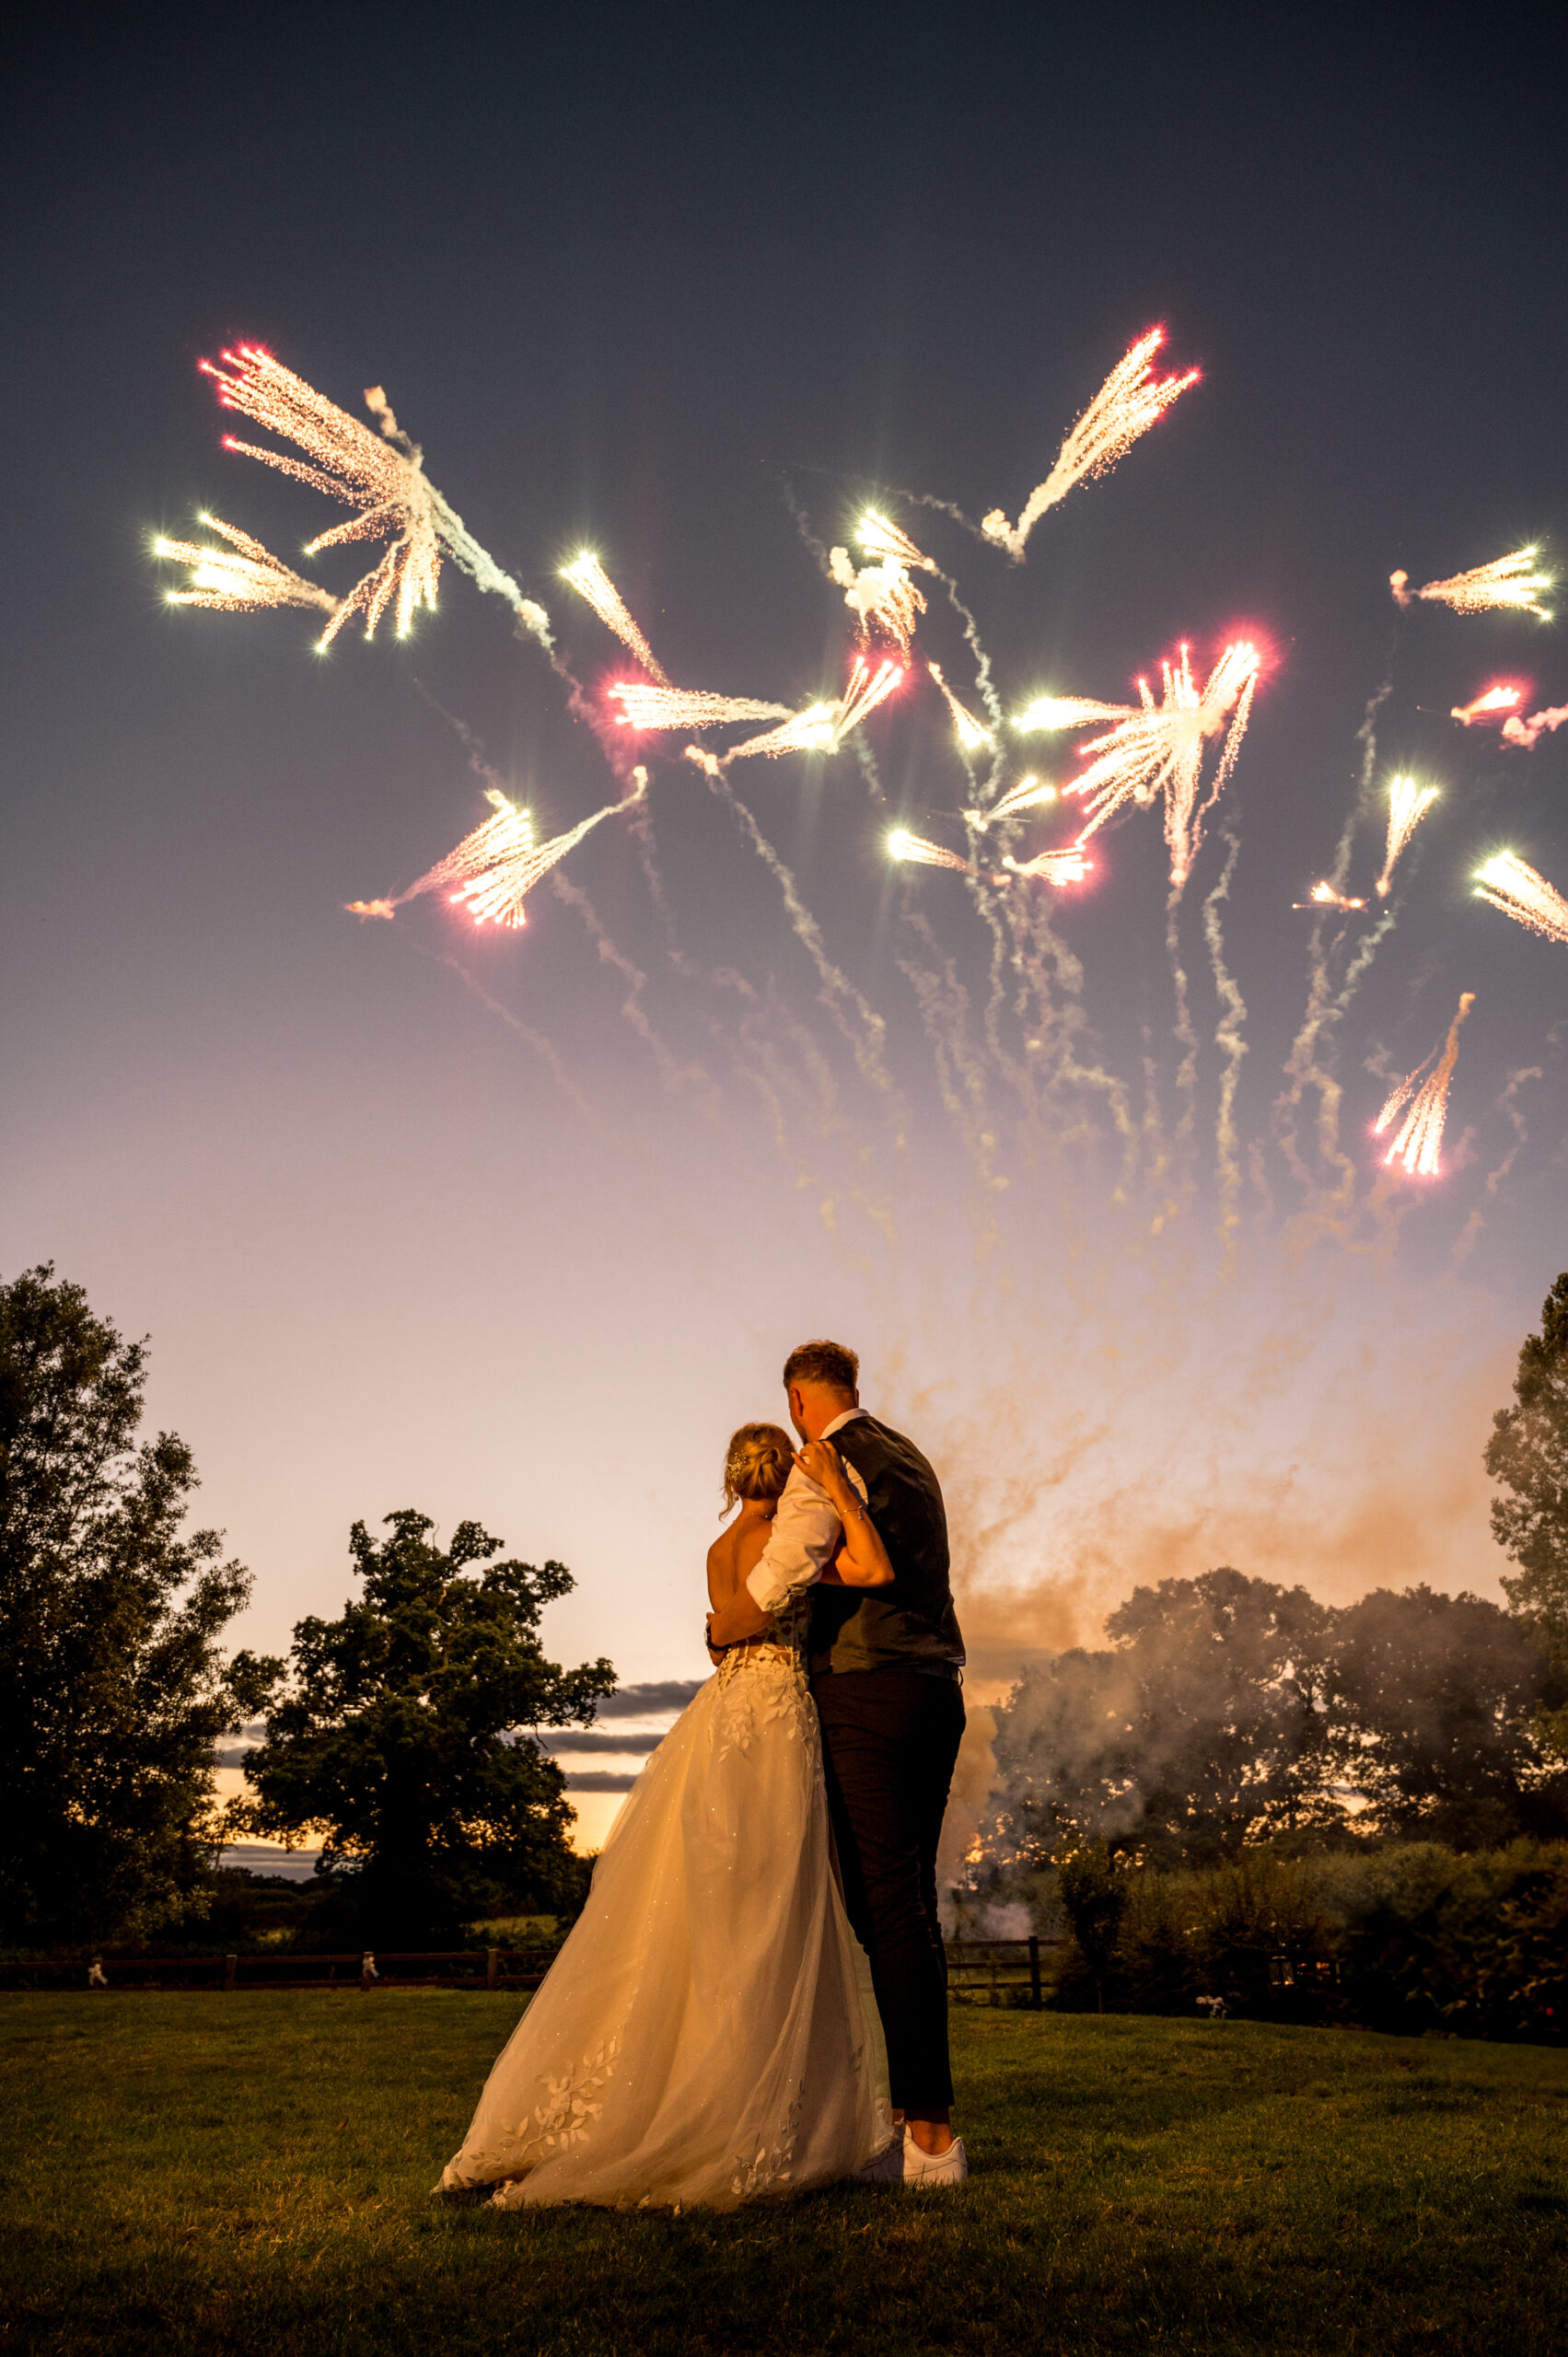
[707, 2034]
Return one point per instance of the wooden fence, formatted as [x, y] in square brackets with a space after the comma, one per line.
[997, 1972]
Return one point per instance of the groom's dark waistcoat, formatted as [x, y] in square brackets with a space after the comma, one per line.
[910, 1624]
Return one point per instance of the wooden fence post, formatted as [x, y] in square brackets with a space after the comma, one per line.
[492, 1967]
[1034, 1970]
[230, 1967]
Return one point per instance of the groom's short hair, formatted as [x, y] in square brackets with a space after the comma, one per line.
[833, 1363]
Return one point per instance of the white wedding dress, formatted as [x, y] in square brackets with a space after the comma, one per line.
[707, 2034]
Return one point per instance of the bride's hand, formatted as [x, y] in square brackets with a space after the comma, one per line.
[821, 1463]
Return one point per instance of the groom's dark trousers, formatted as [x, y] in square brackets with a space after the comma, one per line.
[886, 1669]
[890, 1739]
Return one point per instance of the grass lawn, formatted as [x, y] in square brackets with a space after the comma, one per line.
[251, 2174]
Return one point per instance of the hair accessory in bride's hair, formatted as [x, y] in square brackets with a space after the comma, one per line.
[756, 1463]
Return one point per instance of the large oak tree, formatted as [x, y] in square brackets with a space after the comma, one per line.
[112, 1691]
[401, 1736]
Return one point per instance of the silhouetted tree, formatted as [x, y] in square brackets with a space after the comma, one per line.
[396, 1736]
[1528, 1454]
[111, 1690]
[1434, 1700]
[1092, 1885]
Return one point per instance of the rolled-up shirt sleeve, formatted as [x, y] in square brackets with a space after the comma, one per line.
[805, 1539]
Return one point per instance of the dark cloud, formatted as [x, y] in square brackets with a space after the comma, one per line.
[599, 1780]
[648, 1700]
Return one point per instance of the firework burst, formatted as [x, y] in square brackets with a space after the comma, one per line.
[644, 707]
[1408, 804]
[1515, 887]
[495, 868]
[1158, 748]
[972, 736]
[1507, 583]
[1068, 867]
[380, 475]
[589, 579]
[915, 850]
[243, 579]
[823, 727]
[1491, 704]
[1325, 896]
[1028, 793]
[1424, 1103]
[1126, 405]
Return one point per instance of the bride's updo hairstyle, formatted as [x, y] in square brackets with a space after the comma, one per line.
[756, 1463]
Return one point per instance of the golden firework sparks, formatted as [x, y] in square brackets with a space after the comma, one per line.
[244, 578]
[1508, 581]
[881, 596]
[1067, 866]
[905, 847]
[1408, 804]
[645, 707]
[1511, 885]
[1325, 896]
[1048, 713]
[823, 727]
[589, 579]
[972, 735]
[1158, 748]
[1489, 705]
[1426, 1104]
[1126, 405]
[1028, 793]
[495, 868]
[380, 475]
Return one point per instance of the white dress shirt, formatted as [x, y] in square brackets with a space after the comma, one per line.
[806, 1532]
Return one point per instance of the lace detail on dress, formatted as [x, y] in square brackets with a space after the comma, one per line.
[762, 1685]
[768, 2170]
[572, 2104]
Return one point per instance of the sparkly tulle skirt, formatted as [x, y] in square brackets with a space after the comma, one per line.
[707, 2032]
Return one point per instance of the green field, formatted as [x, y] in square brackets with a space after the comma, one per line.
[251, 2174]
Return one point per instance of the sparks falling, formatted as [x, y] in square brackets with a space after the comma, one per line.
[495, 868]
[905, 847]
[1324, 896]
[1067, 866]
[1126, 405]
[1408, 804]
[1515, 887]
[823, 727]
[1491, 705]
[1048, 713]
[380, 475]
[645, 707]
[1028, 793]
[1426, 1104]
[972, 735]
[243, 579]
[589, 579]
[1158, 748]
[1507, 582]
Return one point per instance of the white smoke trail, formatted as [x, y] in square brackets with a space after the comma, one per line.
[1230, 1040]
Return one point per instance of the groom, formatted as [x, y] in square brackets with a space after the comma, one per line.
[886, 1667]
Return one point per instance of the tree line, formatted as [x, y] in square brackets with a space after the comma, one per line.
[398, 1735]
[1224, 1711]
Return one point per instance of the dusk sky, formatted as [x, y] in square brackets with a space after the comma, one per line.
[418, 1215]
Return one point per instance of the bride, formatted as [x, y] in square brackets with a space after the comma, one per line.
[707, 2032]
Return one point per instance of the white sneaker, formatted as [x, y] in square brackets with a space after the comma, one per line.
[950, 2168]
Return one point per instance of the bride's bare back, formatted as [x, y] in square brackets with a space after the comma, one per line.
[736, 1552]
